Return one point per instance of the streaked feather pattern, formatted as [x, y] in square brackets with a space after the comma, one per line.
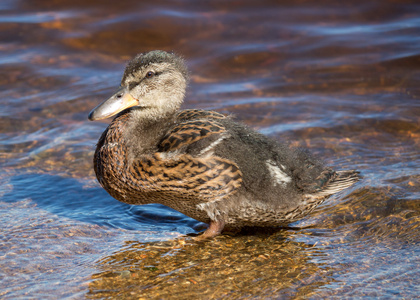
[337, 181]
[189, 132]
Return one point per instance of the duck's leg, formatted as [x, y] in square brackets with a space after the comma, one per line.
[215, 228]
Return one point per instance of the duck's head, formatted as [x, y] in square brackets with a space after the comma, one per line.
[153, 82]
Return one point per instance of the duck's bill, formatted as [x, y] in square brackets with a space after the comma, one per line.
[118, 102]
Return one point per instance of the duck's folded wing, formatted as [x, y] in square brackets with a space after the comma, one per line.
[195, 137]
[184, 163]
[208, 179]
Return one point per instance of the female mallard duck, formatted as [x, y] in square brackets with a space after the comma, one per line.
[198, 162]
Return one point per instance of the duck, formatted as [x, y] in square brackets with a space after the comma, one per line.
[202, 163]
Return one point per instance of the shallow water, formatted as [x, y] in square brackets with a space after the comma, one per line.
[342, 79]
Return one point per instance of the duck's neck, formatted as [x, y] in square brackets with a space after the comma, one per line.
[142, 135]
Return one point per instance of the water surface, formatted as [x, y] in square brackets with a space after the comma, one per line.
[342, 79]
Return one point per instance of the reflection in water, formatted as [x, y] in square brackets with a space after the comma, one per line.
[339, 78]
[225, 267]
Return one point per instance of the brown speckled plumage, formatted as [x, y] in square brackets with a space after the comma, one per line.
[198, 162]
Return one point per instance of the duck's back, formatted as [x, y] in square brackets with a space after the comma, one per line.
[279, 184]
[266, 165]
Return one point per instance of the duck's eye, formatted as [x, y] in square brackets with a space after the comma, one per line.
[150, 74]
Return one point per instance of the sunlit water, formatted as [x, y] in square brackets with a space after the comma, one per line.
[341, 78]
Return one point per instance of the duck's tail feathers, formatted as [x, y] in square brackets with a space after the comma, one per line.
[341, 181]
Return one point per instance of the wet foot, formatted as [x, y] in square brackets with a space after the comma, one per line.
[214, 229]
